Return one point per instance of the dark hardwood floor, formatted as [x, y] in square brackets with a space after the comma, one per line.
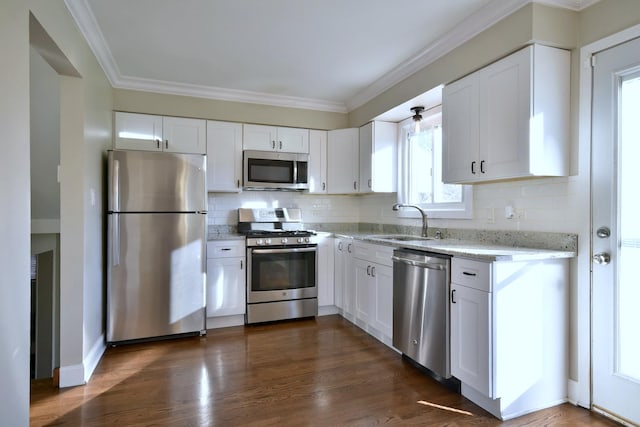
[322, 372]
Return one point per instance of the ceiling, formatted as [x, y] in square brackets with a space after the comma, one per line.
[329, 55]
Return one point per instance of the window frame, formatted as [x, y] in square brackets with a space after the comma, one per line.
[459, 210]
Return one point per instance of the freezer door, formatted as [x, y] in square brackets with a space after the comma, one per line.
[143, 181]
[156, 275]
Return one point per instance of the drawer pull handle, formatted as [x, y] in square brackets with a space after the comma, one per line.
[466, 273]
[225, 249]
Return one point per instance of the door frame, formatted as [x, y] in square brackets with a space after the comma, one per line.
[582, 389]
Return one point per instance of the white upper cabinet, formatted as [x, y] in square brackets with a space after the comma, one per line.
[271, 138]
[509, 119]
[138, 132]
[182, 135]
[318, 161]
[157, 133]
[378, 157]
[343, 156]
[224, 156]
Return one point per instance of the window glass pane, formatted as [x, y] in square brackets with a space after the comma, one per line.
[628, 291]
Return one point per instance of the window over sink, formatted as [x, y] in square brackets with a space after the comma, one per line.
[420, 171]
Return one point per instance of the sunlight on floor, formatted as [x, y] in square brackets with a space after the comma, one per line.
[446, 408]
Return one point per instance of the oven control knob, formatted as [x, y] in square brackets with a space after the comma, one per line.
[285, 240]
[300, 239]
[259, 242]
[306, 240]
[267, 241]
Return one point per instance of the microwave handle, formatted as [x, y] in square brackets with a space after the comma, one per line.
[295, 172]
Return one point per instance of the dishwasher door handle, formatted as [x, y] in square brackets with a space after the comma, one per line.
[414, 263]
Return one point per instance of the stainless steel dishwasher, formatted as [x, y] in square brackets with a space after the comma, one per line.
[421, 308]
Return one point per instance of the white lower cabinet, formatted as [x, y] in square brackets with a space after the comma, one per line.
[226, 283]
[509, 333]
[373, 280]
[325, 267]
[343, 276]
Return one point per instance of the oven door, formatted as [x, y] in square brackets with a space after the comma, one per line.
[279, 274]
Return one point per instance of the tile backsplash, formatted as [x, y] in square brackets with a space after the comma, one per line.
[541, 204]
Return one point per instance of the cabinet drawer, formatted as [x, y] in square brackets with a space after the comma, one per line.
[471, 273]
[225, 248]
[379, 254]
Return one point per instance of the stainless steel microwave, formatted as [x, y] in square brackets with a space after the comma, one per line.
[273, 170]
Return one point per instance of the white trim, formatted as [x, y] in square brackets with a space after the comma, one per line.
[93, 357]
[225, 321]
[326, 310]
[71, 376]
[580, 392]
[463, 32]
[233, 95]
[45, 226]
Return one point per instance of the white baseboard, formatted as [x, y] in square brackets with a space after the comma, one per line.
[71, 376]
[94, 356]
[327, 310]
[225, 321]
[79, 374]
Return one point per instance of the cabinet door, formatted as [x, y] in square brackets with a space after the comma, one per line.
[343, 161]
[258, 137]
[226, 288]
[365, 143]
[338, 272]
[504, 100]
[460, 161]
[364, 290]
[471, 360]
[348, 281]
[183, 135]
[325, 272]
[317, 162]
[224, 156]
[292, 140]
[137, 132]
[382, 302]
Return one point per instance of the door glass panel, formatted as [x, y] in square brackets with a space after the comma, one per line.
[628, 287]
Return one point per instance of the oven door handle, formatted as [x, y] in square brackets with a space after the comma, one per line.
[283, 251]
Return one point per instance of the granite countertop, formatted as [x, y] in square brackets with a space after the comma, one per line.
[465, 248]
[225, 236]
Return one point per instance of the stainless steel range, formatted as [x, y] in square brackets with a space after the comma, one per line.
[281, 265]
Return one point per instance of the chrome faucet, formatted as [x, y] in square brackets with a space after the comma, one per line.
[423, 213]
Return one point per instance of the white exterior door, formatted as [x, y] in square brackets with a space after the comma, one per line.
[616, 231]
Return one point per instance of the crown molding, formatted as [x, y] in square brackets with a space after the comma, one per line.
[470, 27]
[88, 26]
[233, 95]
[464, 31]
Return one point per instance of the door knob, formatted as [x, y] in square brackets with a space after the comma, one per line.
[602, 258]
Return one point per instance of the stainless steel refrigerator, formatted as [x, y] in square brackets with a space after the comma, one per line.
[156, 244]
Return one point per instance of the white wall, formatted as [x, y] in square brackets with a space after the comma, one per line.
[45, 140]
[15, 214]
[95, 135]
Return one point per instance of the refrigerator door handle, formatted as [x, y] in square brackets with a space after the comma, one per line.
[115, 185]
[115, 246]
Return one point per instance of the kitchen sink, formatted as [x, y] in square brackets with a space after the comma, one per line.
[399, 237]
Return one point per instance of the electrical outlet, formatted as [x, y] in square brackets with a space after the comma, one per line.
[491, 218]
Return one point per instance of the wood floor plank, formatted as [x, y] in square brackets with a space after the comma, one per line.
[312, 372]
